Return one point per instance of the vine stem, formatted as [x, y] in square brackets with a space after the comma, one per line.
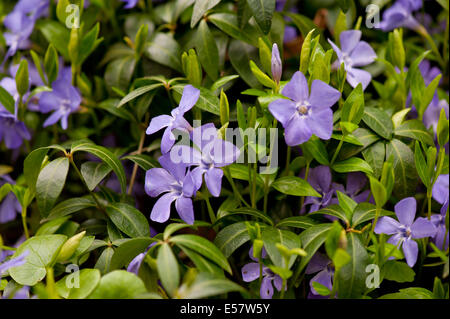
[233, 186]
[424, 33]
[338, 149]
[135, 167]
[283, 289]
[24, 222]
[51, 288]
[375, 221]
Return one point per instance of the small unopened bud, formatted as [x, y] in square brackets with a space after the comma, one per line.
[343, 240]
[257, 248]
[70, 246]
[276, 64]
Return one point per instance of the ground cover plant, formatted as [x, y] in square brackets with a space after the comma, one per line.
[224, 148]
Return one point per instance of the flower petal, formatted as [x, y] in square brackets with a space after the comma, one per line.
[323, 95]
[158, 123]
[189, 98]
[266, 290]
[321, 123]
[213, 179]
[297, 131]
[161, 210]
[356, 76]
[185, 209]
[282, 110]
[297, 88]
[349, 40]
[422, 227]
[250, 272]
[410, 250]
[387, 225]
[406, 210]
[363, 54]
[157, 181]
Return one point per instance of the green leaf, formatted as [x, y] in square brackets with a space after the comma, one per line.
[351, 278]
[119, 284]
[246, 211]
[222, 81]
[128, 250]
[398, 271]
[200, 8]
[203, 264]
[353, 109]
[378, 121]
[50, 183]
[89, 43]
[231, 238]
[119, 72]
[43, 251]
[293, 185]
[410, 293]
[70, 206]
[301, 222]
[263, 78]
[304, 24]
[442, 128]
[203, 247]
[51, 227]
[272, 236]
[378, 191]
[333, 210]
[138, 92]
[7, 100]
[208, 53]
[128, 219]
[263, 12]
[404, 168]
[421, 165]
[315, 148]
[207, 285]
[364, 212]
[144, 161]
[168, 270]
[165, 50]
[88, 281]
[104, 261]
[94, 172]
[321, 289]
[56, 34]
[240, 53]
[375, 155]
[416, 130]
[228, 23]
[311, 239]
[106, 156]
[51, 63]
[346, 203]
[353, 164]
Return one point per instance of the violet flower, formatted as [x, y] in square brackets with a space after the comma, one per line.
[406, 230]
[438, 221]
[176, 119]
[9, 206]
[320, 179]
[130, 4]
[35, 9]
[175, 181]
[214, 154]
[277, 68]
[290, 33]
[251, 272]
[400, 15]
[306, 113]
[20, 28]
[324, 270]
[136, 263]
[63, 100]
[354, 53]
[433, 112]
[12, 131]
[14, 262]
[440, 189]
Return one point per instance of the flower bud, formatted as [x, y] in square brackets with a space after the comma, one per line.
[257, 248]
[22, 78]
[69, 247]
[276, 64]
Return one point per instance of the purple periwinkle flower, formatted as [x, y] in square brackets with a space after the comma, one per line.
[251, 272]
[320, 179]
[9, 206]
[440, 189]
[20, 27]
[433, 112]
[177, 184]
[176, 119]
[306, 113]
[400, 15]
[406, 229]
[324, 270]
[34, 8]
[63, 100]
[214, 154]
[442, 237]
[14, 262]
[354, 53]
[277, 68]
[130, 4]
[12, 131]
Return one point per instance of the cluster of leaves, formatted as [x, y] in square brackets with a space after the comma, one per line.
[81, 191]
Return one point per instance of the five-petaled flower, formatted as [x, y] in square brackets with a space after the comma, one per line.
[305, 113]
[400, 15]
[175, 181]
[406, 229]
[175, 120]
[324, 270]
[214, 154]
[354, 53]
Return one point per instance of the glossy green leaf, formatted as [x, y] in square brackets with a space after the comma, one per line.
[128, 219]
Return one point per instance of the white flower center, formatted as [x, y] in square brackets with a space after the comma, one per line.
[303, 107]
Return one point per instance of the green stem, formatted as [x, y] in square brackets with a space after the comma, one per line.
[288, 160]
[423, 32]
[24, 222]
[429, 194]
[99, 206]
[375, 221]
[302, 200]
[233, 186]
[283, 289]
[51, 287]
[266, 192]
[336, 153]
